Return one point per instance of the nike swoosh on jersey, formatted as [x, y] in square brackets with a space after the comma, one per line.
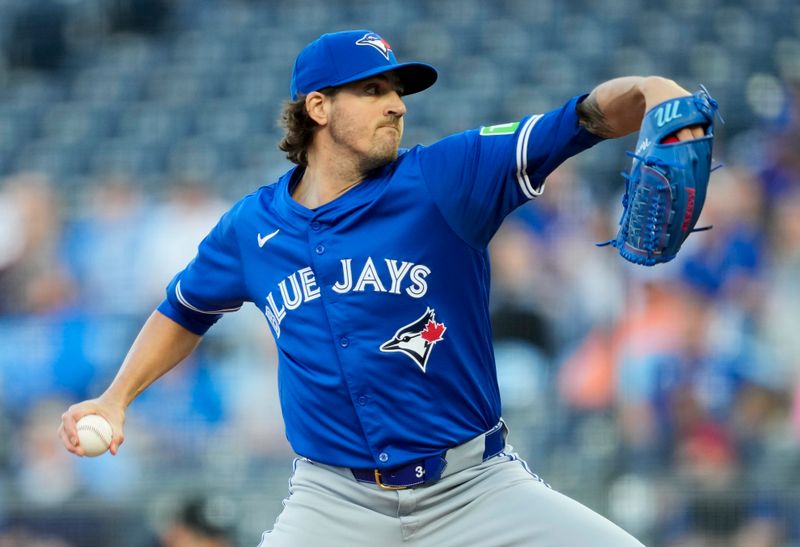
[263, 240]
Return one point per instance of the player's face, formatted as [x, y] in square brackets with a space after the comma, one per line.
[366, 120]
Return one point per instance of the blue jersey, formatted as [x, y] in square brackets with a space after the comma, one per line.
[379, 299]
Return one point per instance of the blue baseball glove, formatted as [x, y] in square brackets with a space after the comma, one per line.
[666, 186]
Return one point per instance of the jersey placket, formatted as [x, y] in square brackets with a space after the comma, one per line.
[324, 247]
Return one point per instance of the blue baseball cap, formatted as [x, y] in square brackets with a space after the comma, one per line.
[339, 58]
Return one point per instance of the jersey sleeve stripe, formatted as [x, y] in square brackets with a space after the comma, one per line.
[522, 159]
[186, 303]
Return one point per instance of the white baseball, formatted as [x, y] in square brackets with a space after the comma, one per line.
[94, 434]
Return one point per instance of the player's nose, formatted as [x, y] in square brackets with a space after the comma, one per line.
[395, 106]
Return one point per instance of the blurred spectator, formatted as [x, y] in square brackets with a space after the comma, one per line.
[780, 171]
[173, 233]
[568, 220]
[520, 276]
[781, 319]
[523, 337]
[33, 278]
[45, 477]
[182, 427]
[716, 511]
[107, 247]
[200, 522]
[586, 377]
[647, 348]
[781, 174]
[727, 260]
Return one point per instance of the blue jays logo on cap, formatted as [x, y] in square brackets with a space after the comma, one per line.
[372, 39]
[340, 58]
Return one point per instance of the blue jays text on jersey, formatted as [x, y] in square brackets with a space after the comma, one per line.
[291, 295]
[379, 299]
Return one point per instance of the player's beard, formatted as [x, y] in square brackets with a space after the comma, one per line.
[384, 145]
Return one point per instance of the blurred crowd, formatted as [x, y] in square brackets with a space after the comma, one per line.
[667, 398]
[74, 290]
[691, 368]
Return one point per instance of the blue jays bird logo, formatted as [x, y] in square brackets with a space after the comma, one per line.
[417, 338]
[372, 39]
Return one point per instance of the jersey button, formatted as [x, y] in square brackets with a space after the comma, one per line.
[319, 249]
[362, 400]
[315, 226]
[384, 457]
[344, 342]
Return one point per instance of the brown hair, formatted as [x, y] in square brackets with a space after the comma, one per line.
[299, 128]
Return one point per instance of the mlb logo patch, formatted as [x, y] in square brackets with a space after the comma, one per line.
[502, 129]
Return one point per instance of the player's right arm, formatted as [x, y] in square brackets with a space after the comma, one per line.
[160, 346]
[211, 285]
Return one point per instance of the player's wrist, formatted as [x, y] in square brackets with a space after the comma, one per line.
[657, 89]
[115, 399]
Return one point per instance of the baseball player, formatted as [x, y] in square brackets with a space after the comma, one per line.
[371, 268]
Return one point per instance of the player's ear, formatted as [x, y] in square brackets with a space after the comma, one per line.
[317, 107]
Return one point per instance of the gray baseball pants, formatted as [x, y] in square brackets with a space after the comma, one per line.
[492, 503]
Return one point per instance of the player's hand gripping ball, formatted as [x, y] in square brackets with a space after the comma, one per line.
[94, 434]
[666, 186]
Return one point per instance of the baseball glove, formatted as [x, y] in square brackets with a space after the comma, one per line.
[666, 186]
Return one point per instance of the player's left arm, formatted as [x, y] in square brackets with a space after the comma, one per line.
[616, 107]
